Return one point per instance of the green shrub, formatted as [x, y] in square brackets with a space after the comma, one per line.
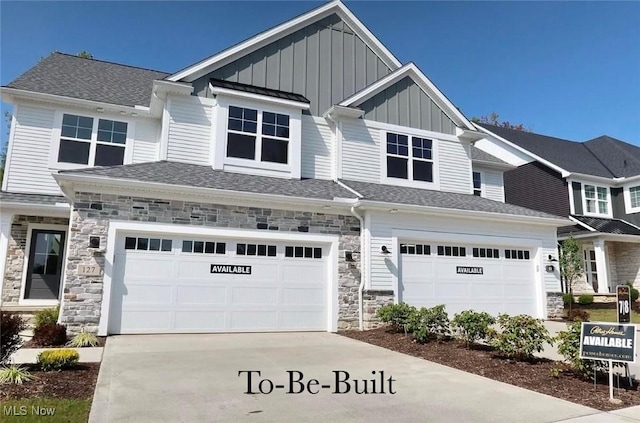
[585, 299]
[569, 347]
[10, 327]
[568, 299]
[578, 315]
[633, 292]
[48, 316]
[58, 359]
[520, 336]
[429, 323]
[50, 335]
[397, 315]
[83, 339]
[15, 374]
[472, 326]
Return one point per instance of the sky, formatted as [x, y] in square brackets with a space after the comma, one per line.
[566, 69]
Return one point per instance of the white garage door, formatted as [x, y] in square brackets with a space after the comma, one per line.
[483, 278]
[189, 284]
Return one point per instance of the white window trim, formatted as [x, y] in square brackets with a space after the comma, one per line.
[409, 182]
[57, 134]
[629, 209]
[584, 200]
[483, 191]
[220, 160]
[25, 265]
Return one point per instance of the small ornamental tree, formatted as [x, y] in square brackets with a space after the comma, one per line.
[570, 264]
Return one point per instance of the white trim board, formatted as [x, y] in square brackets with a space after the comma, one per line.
[117, 228]
[217, 61]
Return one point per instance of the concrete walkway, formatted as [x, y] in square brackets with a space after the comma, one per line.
[30, 355]
[188, 378]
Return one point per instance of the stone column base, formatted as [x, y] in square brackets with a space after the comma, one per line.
[372, 300]
[555, 305]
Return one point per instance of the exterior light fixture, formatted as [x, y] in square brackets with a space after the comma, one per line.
[385, 250]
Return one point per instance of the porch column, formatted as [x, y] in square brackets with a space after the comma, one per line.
[5, 231]
[601, 263]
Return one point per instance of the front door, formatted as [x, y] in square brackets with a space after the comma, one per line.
[590, 268]
[45, 265]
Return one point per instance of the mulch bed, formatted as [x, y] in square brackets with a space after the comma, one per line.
[76, 383]
[483, 361]
[30, 344]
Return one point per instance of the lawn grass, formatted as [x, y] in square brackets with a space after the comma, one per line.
[59, 410]
[609, 315]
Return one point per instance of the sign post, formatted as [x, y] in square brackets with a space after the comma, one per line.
[608, 341]
[623, 296]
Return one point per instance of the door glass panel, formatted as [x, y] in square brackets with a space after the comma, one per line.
[44, 265]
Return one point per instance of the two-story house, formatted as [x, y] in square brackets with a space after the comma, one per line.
[296, 181]
[595, 183]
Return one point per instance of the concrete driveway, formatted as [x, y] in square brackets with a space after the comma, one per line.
[194, 378]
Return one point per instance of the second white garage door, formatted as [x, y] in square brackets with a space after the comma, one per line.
[495, 279]
[186, 284]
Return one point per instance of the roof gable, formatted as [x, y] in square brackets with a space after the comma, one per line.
[89, 79]
[231, 54]
[620, 158]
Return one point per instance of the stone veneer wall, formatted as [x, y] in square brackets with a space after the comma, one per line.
[627, 262]
[92, 213]
[12, 280]
[555, 305]
[372, 300]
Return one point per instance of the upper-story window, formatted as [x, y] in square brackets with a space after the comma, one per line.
[94, 142]
[596, 199]
[411, 162]
[477, 184]
[634, 197]
[258, 135]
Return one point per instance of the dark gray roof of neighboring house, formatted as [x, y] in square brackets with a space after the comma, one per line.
[16, 197]
[446, 200]
[258, 90]
[603, 156]
[89, 79]
[200, 176]
[609, 226]
[572, 230]
[482, 156]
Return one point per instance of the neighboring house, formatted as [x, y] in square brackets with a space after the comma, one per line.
[596, 183]
[296, 181]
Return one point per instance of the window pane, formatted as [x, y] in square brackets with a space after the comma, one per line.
[143, 244]
[283, 120]
[210, 247]
[308, 252]
[250, 127]
[154, 244]
[590, 191]
[120, 127]
[73, 152]
[282, 132]
[70, 120]
[602, 193]
[288, 252]
[198, 246]
[241, 146]
[299, 252]
[187, 246]
[105, 125]
[269, 117]
[129, 243]
[271, 251]
[274, 150]
[602, 207]
[251, 114]
[166, 245]
[85, 122]
[477, 180]
[251, 249]
[268, 129]
[317, 253]
[262, 250]
[241, 249]
[235, 112]
[109, 155]
[634, 193]
[235, 125]
[119, 138]
[84, 134]
[104, 136]
[422, 171]
[51, 267]
[68, 131]
[221, 248]
[397, 167]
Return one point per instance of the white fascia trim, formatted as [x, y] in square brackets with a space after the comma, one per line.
[214, 62]
[101, 181]
[605, 237]
[10, 94]
[493, 165]
[468, 214]
[547, 163]
[579, 223]
[258, 97]
[58, 209]
[614, 182]
[411, 70]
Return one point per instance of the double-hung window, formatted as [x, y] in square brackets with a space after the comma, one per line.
[258, 135]
[633, 199]
[94, 142]
[477, 184]
[596, 199]
[409, 158]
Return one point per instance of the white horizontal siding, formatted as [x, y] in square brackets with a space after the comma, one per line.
[316, 148]
[28, 169]
[381, 267]
[189, 135]
[360, 152]
[146, 144]
[493, 184]
[455, 167]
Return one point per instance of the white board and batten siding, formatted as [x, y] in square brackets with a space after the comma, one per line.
[317, 148]
[189, 133]
[28, 167]
[361, 157]
[382, 228]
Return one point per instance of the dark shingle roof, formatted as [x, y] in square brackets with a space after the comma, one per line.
[603, 156]
[482, 156]
[258, 90]
[572, 230]
[609, 226]
[89, 79]
[199, 176]
[16, 197]
[445, 200]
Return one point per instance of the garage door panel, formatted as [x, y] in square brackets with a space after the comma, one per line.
[136, 320]
[303, 296]
[452, 289]
[146, 267]
[311, 272]
[254, 295]
[303, 320]
[197, 294]
[147, 294]
[487, 290]
[255, 320]
[190, 320]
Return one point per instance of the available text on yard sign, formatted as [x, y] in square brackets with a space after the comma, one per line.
[227, 269]
[469, 270]
[604, 341]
